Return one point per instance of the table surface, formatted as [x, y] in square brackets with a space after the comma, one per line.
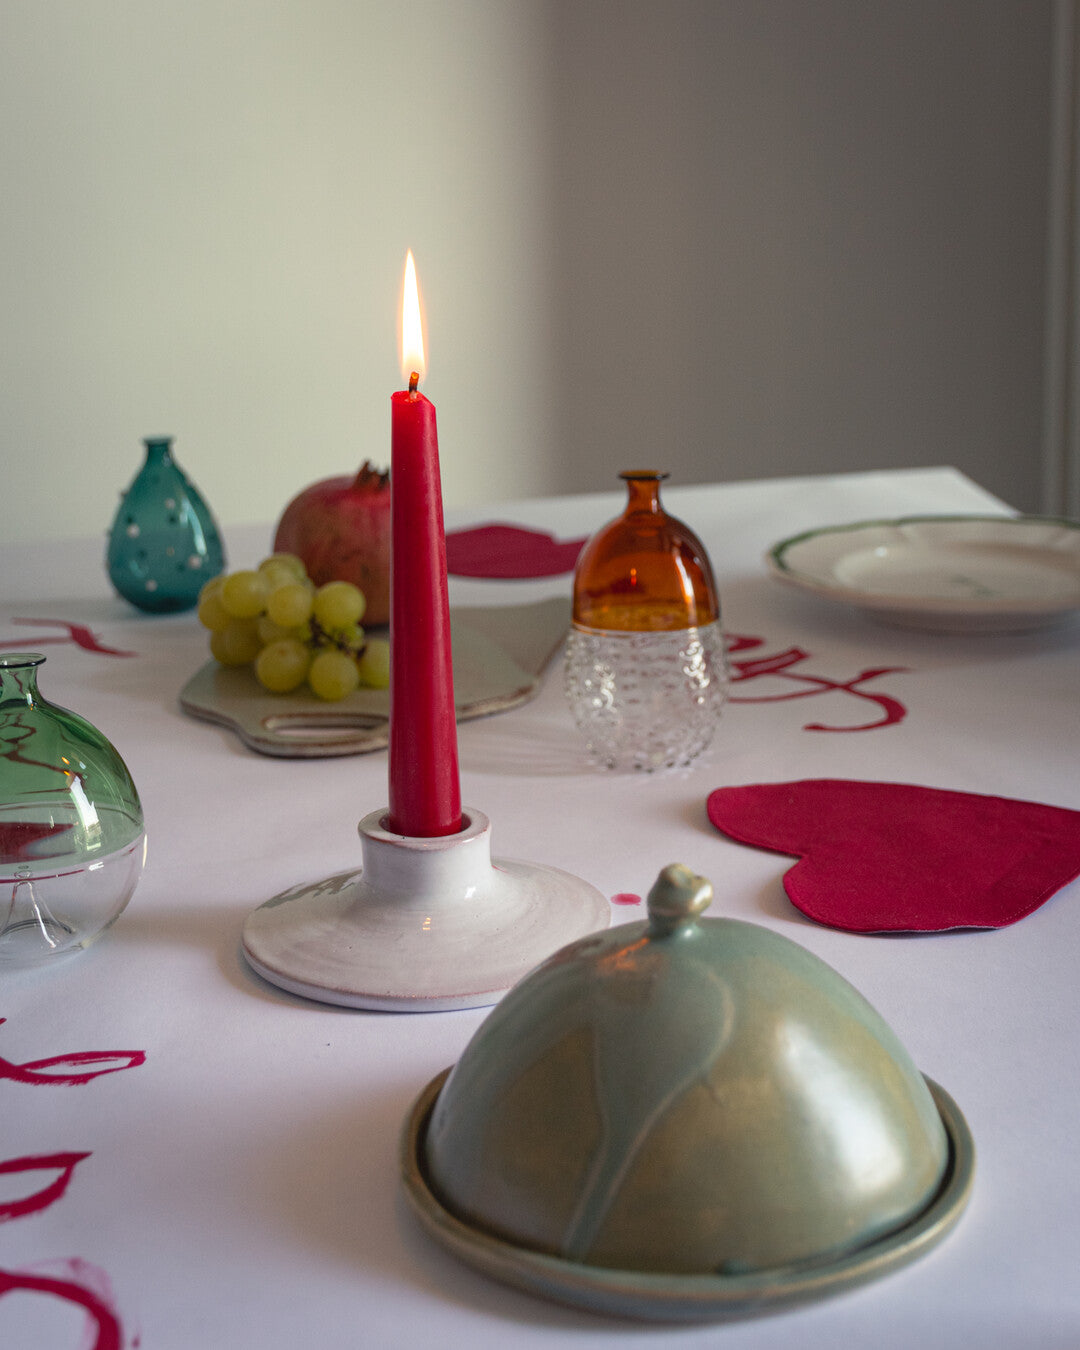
[241, 1187]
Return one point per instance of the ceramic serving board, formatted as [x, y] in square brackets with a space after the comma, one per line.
[499, 657]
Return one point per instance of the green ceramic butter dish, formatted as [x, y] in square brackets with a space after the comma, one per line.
[685, 1119]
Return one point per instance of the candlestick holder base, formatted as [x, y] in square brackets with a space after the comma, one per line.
[425, 924]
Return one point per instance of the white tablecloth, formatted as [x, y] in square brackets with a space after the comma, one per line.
[241, 1187]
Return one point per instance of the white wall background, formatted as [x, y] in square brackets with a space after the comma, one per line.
[803, 236]
[205, 210]
[735, 238]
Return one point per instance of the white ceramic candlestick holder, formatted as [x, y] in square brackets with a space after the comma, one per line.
[424, 925]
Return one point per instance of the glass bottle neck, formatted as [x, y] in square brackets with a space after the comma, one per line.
[158, 449]
[18, 678]
[643, 491]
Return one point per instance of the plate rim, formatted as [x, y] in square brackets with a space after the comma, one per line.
[912, 601]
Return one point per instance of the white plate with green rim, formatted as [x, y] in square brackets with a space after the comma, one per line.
[949, 574]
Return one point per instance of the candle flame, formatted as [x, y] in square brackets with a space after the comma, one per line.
[412, 331]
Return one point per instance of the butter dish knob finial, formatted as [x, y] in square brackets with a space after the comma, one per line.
[678, 897]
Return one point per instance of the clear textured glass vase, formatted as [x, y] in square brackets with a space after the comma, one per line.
[646, 672]
[72, 843]
[164, 544]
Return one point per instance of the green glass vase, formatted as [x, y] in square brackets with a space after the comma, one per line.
[164, 544]
[72, 843]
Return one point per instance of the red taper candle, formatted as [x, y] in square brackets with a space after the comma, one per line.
[425, 788]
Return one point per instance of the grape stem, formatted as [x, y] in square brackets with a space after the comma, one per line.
[322, 637]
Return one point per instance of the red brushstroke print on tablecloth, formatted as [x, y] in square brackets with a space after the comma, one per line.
[781, 664]
[87, 1287]
[77, 633]
[55, 1069]
[104, 1331]
[58, 1166]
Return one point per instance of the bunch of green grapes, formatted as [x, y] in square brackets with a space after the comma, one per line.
[276, 618]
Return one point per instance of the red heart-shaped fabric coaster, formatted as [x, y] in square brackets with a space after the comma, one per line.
[894, 857]
[509, 552]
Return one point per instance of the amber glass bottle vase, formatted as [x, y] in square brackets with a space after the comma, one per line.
[646, 674]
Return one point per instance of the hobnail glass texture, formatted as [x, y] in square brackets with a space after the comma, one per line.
[72, 843]
[646, 671]
[646, 700]
[164, 544]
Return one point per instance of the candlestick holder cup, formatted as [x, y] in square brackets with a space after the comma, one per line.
[646, 672]
[426, 924]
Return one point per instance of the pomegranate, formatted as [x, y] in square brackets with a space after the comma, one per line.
[340, 527]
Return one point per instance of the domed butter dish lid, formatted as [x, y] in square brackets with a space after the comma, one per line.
[685, 1119]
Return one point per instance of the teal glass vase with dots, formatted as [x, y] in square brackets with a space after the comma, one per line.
[164, 544]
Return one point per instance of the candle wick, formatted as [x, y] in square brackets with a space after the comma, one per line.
[414, 380]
